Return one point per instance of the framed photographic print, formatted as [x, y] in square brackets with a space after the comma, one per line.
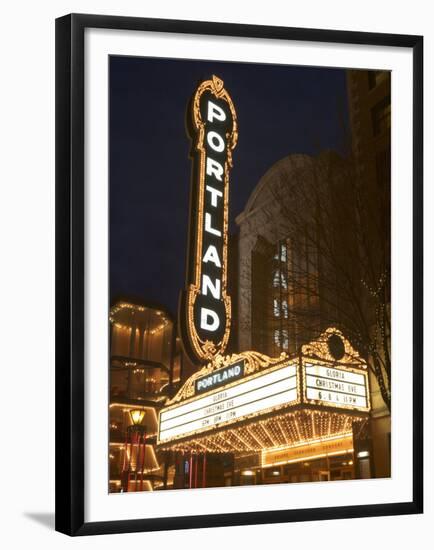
[238, 274]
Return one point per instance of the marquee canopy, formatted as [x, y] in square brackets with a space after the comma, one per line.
[249, 402]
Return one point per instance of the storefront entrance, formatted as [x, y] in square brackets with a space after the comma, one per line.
[324, 460]
[324, 469]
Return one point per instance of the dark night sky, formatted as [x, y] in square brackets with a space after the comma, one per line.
[280, 109]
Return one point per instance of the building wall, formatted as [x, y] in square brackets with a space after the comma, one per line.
[257, 232]
[369, 96]
[282, 275]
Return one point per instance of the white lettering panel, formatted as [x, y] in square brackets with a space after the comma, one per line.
[249, 397]
[335, 374]
[336, 386]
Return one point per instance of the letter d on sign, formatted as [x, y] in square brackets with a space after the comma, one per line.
[205, 315]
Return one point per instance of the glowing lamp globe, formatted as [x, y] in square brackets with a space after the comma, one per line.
[137, 415]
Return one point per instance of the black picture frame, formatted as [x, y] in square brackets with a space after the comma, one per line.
[70, 263]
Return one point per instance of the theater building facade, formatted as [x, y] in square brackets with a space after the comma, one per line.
[262, 414]
[287, 403]
[290, 418]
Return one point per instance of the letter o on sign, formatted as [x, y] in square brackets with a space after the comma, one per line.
[215, 141]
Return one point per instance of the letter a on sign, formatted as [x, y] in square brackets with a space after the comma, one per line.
[205, 306]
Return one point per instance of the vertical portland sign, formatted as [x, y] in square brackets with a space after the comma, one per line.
[205, 306]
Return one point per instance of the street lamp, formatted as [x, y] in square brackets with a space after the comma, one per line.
[135, 450]
[137, 415]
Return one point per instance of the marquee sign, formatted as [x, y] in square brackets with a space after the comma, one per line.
[205, 306]
[336, 386]
[294, 399]
[252, 396]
